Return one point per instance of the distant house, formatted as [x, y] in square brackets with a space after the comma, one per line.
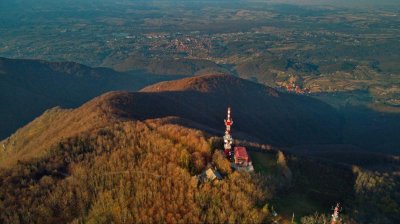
[241, 156]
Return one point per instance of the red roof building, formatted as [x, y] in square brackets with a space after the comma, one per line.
[241, 156]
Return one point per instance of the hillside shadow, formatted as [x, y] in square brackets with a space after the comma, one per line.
[283, 120]
[371, 130]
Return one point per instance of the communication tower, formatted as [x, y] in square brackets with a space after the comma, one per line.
[228, 141]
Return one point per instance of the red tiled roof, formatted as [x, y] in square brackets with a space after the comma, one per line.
[241, 152]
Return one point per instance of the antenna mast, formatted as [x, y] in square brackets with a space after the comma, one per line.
[228, 141]
[335, 216]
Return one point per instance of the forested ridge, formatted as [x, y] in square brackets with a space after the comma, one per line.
[121, 158]
[127, 173]
[133, 171]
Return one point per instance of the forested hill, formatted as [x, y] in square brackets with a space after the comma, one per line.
[93, 164]
[260, 113]
[29, 87]
[131, 157]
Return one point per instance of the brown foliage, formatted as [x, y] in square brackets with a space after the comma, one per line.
[222, 164]
[126, 173]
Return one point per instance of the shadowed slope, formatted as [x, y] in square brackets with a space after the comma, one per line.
[29, 87]
[259, 113]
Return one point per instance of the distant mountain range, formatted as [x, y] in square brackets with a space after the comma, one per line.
[29, 87]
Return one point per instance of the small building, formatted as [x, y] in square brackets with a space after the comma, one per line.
[210, 175]
[241, 156]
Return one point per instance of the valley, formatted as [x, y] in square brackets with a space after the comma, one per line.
[315, 48]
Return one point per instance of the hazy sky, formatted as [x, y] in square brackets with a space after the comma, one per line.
[10, 7]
